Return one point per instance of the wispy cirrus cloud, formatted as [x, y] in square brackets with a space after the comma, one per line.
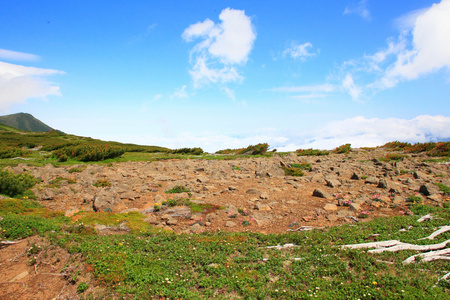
[10, 55]
[19, 83]
[307, 92]
[327, 88]
[180, 93]
[299, 51]
[222, 47]
[359, 9]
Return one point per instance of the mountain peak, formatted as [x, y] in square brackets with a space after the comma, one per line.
[24, 121]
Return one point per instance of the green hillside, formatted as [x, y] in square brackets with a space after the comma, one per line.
[24, 121]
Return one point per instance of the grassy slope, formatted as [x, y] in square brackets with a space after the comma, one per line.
[148, 263]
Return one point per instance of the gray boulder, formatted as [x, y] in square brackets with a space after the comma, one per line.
[105, 200]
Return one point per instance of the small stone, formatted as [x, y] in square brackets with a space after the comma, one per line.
[70, 212]
[344, 213]
[321, 194]
[159, 199]
[230, 224]
[264, 195]
[172, 221]
[151, 220]
[196, 228]
[330, 207]
[332, 218]
[398, 200]
[382, 184]
[20, 276]
[356, 176]
[261, 206]
[232, 188]
[253, 191]
[354, 206]
[420, 175]
[371, 180]
[334, 183]
[435, 197]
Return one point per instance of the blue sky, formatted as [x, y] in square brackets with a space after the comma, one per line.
[226, 74]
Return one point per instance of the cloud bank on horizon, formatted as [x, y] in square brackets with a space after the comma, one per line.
[236, 57]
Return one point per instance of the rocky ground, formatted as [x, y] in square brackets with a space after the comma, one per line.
[255, 192]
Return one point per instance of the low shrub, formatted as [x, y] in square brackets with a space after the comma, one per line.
[396, 145]
[392, 157]
[343, 149]
[312, 152]
[414, 199]
[191, 151]
[292, 171]
[259, 149]
[10, 152]
[441, 149]
[85, 153]
[75, 170]
[303, 166]
[178, 189]
[15, 184]
[102, 183]
[420, 147]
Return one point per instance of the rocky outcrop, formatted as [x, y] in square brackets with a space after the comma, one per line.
[255, 192]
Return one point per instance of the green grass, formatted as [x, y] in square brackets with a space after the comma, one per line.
[392, 157]
[151, 265]
[296, 169]
[444, 188]
[194, 207]
[178, 189]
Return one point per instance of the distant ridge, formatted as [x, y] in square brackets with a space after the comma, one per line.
[24, 121]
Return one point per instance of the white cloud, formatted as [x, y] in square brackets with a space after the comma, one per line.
[299, 51]
[202, 74]
[363, 132]
[223, 46]
[422, 47]
[408, 20]
[431, 45]
[19, 83]
[307, 93]
[229, 92]
[180, 93]
[17, 56]
[358, 131]
[349, 85]
[359, 9]
[325, 88]
[210, 142]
